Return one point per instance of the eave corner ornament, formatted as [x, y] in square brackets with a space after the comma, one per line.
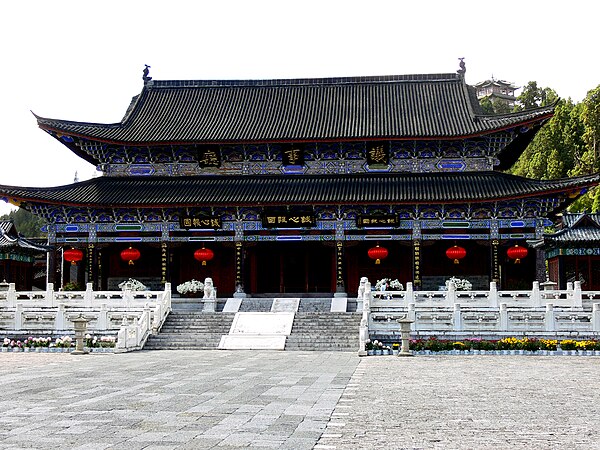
[463, 67]
[145, 77]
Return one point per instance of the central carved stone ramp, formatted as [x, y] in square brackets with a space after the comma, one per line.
[188, 330]
[319, 331]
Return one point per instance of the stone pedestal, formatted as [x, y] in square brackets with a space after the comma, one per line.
[405, 333]
[80, 326]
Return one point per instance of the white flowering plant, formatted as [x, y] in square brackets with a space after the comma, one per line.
[133, 285]
[392, 285]
[459, 284]
[102, 341]
[191, 287]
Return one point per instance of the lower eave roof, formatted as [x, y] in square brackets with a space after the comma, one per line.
[10, 240]
[575, 236]
[268, 190]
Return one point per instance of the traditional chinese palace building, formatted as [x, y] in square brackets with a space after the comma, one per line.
[573, 252]
[299, 186]
[17, 256]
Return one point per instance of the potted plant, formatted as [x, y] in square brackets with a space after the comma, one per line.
[192, 288]
[133, 285]
[459, 284]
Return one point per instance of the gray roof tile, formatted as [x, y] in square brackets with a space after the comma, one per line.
[221, 111]
[249, 190]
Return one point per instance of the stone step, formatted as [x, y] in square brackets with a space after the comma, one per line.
[311, 330]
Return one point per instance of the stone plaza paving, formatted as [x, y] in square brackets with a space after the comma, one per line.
[297, 400]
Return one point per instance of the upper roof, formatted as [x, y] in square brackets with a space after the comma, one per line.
[10, 239]
[271, 190]
[354, 108]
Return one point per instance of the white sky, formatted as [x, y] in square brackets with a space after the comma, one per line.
[83, 60]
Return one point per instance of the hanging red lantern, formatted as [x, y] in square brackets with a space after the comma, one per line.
[130, 255]
[73, 255]
[378, 253]
[204, 254]
[456, 253]
[517, 253]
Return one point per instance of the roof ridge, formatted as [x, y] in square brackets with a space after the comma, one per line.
[304, 81]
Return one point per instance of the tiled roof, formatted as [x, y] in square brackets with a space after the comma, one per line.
[10, 238]
[264, 190]
[356, 108]
[579, 228]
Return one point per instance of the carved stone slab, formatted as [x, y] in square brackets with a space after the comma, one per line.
[262, 323]
[252, 342]
[232, 305]
[339, 304]
[285, 305]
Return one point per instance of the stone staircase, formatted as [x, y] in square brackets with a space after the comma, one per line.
[314, 327]
[324, 331]
[189, 330]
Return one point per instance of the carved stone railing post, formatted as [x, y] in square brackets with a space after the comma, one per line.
[549, 317]
[451, 294]
[50, 300]
[18, 316]
[123, 334]
[363, 330]
[88, 297]
[596, 317]
[503, 317]
[536, 298]
[493, 297]
[457, 317]
[11, 295]
[410, 293]
[412, 315]
[577, 297]
[147, 319]
[102, 323]
[59, 320]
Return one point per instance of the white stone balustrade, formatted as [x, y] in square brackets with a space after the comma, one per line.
[485, 312]
[49, 310]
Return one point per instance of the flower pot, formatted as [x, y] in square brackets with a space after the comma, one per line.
[395, 352]
[596, 352]
[369, 352]
[378, 352]
[4, 349]
[385, 352]
[16, 349]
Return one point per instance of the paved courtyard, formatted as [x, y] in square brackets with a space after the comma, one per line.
[296, 400]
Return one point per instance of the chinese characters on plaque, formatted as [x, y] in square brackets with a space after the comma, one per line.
[285, 219]
[209, 156]
[292, 155]
[378, 153]
[191, 222]
[377, 221]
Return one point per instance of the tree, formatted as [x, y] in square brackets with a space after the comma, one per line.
[533, 96]
[26, 223]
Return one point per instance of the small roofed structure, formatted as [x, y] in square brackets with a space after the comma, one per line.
[497, 89]
[17, 256]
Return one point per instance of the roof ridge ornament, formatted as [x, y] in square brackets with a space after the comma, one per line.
[145, 77]
[463, 67]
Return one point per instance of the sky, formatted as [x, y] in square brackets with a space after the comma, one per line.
[83, 60]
